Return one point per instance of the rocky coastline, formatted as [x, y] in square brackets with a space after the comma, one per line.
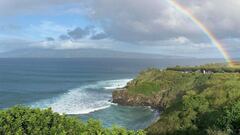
[123, 97]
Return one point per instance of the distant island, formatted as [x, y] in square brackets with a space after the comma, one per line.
[79, 53]
[200, 100]
[196, 100]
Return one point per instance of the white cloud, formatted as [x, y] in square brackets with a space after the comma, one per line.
[70, 44]
[181, 40]
[29, 7]
[48, 29]
[154, 24]
[134, 20]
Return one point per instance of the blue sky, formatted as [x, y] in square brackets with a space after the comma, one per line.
[123, 25]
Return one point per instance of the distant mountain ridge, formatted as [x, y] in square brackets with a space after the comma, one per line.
[78, 53]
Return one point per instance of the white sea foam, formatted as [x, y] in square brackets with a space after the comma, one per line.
[114, 84]
[85, 99]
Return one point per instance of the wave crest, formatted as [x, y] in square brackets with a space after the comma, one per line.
[85, 99]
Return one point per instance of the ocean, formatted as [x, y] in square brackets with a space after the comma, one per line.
[81, 87]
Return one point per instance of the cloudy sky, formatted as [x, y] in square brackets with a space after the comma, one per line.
[124, 25]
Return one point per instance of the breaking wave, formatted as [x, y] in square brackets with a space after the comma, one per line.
[84, 99]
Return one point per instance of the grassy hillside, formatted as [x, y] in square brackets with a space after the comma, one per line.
[214, 68]
[26, 121]
[196, 103]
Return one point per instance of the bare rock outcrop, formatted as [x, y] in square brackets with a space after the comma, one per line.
[123, 97]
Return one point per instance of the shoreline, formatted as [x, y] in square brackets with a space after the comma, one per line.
[122, 97]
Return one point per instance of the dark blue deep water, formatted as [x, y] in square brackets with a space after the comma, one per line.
[79, 87]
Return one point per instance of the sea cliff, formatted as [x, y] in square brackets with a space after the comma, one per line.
[122, 97]
[196, 102]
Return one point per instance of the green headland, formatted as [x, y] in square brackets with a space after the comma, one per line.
[197, 100]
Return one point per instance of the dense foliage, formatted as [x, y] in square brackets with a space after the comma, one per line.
[215, 68]
[197, 103]
[26, 121]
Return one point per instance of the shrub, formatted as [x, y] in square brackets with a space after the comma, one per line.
[26, 121]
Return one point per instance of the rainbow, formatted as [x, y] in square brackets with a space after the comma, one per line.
[207, 32]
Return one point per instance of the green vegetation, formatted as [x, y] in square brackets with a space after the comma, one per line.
[214, 68]
[26, 121]
[196, 103]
